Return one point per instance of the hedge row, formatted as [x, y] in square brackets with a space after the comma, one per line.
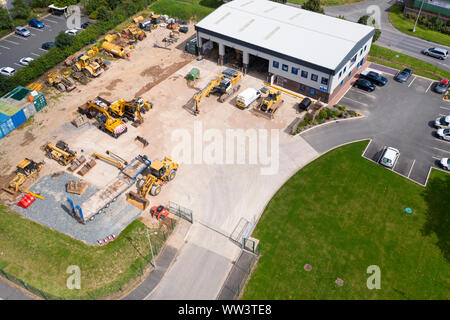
[430, 22]
[56, 55]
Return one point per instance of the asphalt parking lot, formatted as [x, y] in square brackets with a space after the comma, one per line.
[401, 115]
[15, 47]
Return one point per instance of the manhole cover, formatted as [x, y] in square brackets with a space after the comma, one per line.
[307, 267]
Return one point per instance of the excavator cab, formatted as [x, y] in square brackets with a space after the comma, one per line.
[157, 169]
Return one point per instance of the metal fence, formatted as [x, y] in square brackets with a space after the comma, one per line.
[181, 212]
[27, 286]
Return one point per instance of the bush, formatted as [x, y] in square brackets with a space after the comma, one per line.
[64, 40]
[363, 19]
[20, 9]
[376, 35]
[5, 20]
[313, 5]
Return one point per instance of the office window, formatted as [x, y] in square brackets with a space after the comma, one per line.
[276, 64]
[304, 74]
[365, 47]
[345, 69]
[312, 91]
[349, 74]
[340, 85]
[314, 77]
[302, 87]
[324, 81]
[360, 53]
[340, 74]
[294, 70]
[285, 67]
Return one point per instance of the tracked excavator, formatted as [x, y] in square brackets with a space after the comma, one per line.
[130, 110]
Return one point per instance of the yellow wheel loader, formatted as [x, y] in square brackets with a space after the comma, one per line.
[90, 68]
[24, 170]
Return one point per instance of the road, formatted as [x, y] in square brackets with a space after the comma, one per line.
[390, 37]
[10, 293]
[15, 47]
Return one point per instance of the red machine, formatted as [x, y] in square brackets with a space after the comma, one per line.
[159, 212]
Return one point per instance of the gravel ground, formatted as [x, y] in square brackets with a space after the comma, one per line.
[52, 211]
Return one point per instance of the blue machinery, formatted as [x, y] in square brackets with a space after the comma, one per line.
[76, 210]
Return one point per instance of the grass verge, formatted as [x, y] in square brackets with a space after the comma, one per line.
[184, 10]
[328, 3]
[39, 257]
[342, 214]
[388, 57]
[406, 26]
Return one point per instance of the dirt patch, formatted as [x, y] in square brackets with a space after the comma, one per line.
[28, 138]
[112, 85]
[159, 74]
[104, 93]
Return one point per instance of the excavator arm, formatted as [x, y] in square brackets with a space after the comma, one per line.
[199, 96]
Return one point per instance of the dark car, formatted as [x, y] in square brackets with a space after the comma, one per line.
[48, 45]
[304, 104]
[441, 87]
[85, 25]
[374, 77]
[36, 23]
[403, 75]
[365, 85]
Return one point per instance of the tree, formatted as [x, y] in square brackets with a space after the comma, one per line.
[64, 3]
[5, 19]
[363, 19]
[368, 20]
[20, 9]
[313, 5]
[376, 35]
[104, 13]
[64, 40]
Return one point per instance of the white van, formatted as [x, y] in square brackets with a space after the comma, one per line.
[247, 97]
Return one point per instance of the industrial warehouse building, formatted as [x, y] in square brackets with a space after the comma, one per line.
[303, 51]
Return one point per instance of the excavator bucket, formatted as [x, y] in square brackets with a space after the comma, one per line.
[137, 201]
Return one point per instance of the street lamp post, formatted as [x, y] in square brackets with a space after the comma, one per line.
[151, 249]
[418, 15]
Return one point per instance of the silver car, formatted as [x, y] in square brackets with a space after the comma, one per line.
[444, 134]
[442, 122]
[22, 31]
[439, 53]
[445, 163]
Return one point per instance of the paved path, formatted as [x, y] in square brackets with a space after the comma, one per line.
[390, 37]
[8, 292]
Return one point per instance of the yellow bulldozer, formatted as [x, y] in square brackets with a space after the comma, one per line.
[90, 68]
[270, 104]
[225, 84]
[24, 170]
[60, 153]
[62, 83]
[98, 109]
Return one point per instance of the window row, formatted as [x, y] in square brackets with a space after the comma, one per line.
[304, 74]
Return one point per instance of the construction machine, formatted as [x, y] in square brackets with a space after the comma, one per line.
[130, 110]
[118, 164]
[270, 104]
[155, 18]
[89, 68]
[62, 83]
[164, 170]
[60, 153]
[225, 84]
[24, 170]
[98, 109]
[133, 33]
[114, 50]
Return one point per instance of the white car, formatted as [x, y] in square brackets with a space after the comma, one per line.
[445, 163]
[442, 122]
[444, 134]
[7, 71]
[389, 157]
[72, 32]
[25, 61]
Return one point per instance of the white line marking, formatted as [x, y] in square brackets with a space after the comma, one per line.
[34, 54]
[50, 21]
[5, 47]
[436, 158]
[18, 64]
[36, 29]
[411, 82]
[42, 49]
[441, 114]
[364, 104]
[441, 150]
[445, 108]
[409, 173]
[429, 87]
[16, 43]
[364, 93]
[21, 38]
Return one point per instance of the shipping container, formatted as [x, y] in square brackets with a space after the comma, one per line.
[17, 115]
[29, 110]
[20, 97]
[6, 125]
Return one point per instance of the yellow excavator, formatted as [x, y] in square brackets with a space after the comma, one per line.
[131, 110]
[97, 109]
[90, 68]
[270, 104]
[225, 84]
[24, 170]
[60, 153]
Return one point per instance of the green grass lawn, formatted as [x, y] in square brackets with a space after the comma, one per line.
[389, 58]
[184, 9]
[406, 26]
[327, 3]
[40, 257]
[343, 213]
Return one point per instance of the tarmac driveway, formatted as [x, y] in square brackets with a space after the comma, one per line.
[397, 115]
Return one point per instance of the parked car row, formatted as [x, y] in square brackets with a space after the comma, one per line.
[368, 81]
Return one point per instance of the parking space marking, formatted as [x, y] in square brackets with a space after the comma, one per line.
[21, 38]
[42, 49]
[364, 93]
[34, 54]
[441, 149]
[18, 64]
[428, 87]
[36, 29]
[16, 43]
[412, 82]
[436, 158]
[445, 108]
[409, 173]
[5, 47]
[50, 21]
[364, 104]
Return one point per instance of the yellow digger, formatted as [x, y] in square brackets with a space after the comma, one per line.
[60, 153]
[98, 109]
[130, 110]
[225, 84]
[90, 68]
[270, 104]
[24, 170]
